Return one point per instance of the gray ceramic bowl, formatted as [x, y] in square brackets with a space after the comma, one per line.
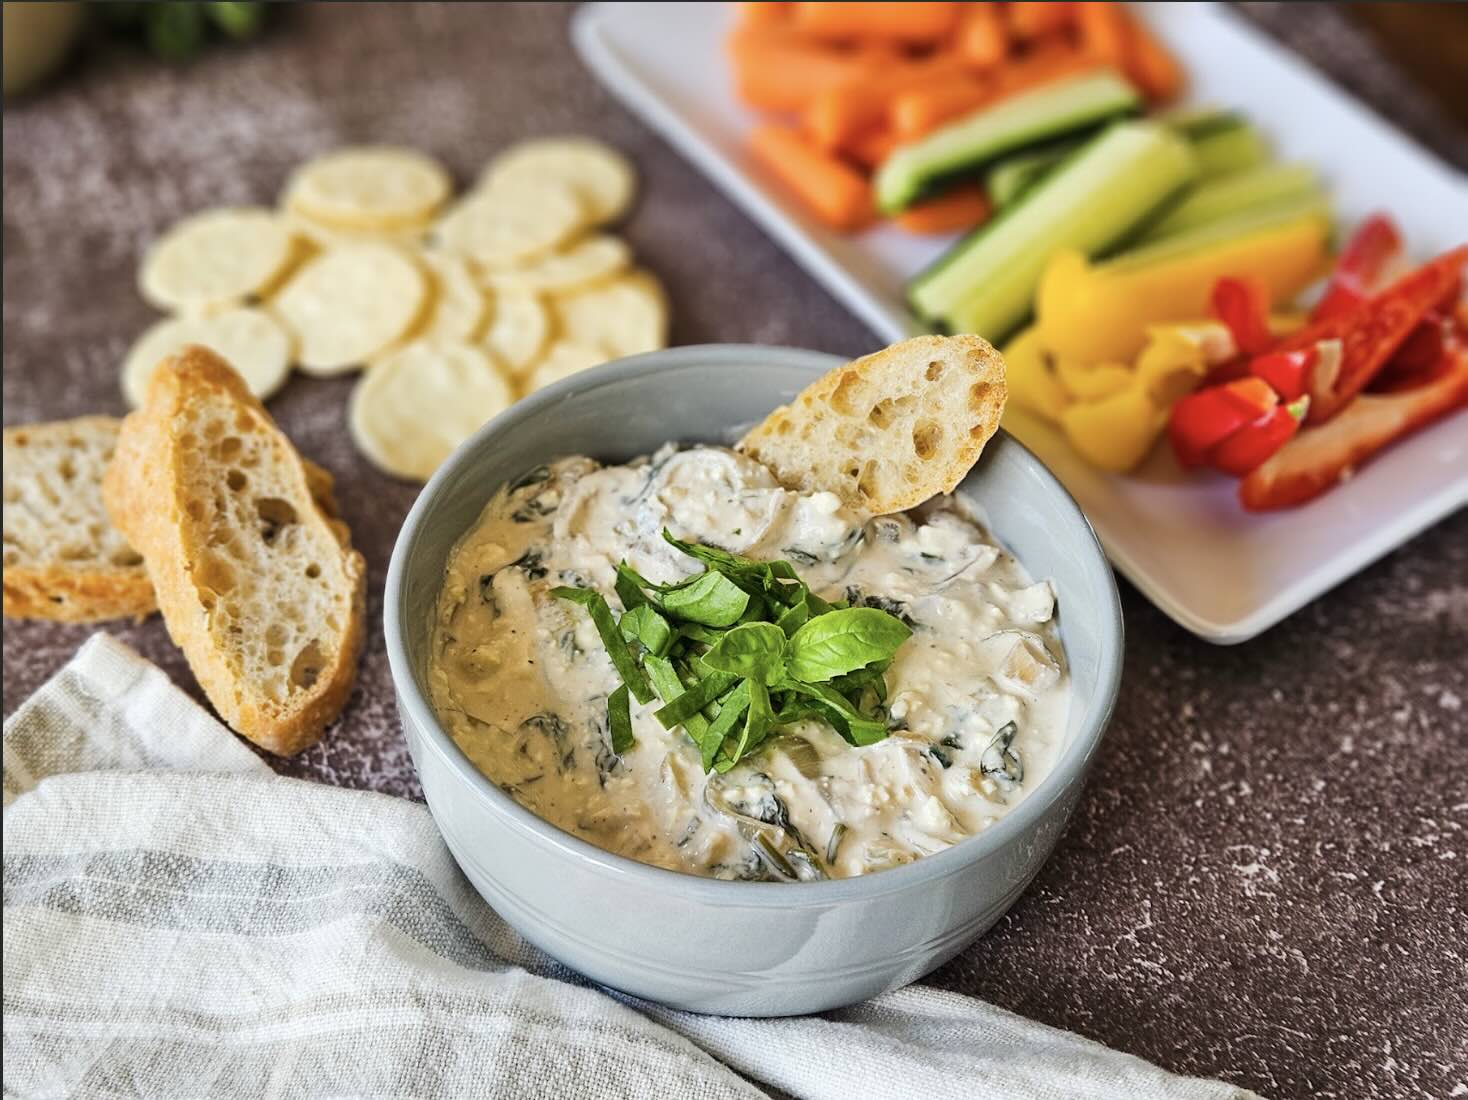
[736, 948]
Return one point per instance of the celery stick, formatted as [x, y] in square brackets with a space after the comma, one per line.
[1211, 200]
[986, 282]
[963, 147]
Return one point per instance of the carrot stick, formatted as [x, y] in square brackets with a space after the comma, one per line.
[833, 191]
[919, 111]
[1044, 65]
[1104, 32]
[915, 23]
[983, 41]
[1033, 20]
[842, 112]
[959, 208]
[775, 71]
[1149, 63]
[871, 148]
[763, 13]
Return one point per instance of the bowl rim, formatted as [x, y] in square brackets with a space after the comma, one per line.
[1069, 768]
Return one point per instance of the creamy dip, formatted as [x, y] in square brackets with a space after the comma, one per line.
[520, 679]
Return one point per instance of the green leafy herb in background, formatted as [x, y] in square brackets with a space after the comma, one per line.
[175, 30]
[738, 651]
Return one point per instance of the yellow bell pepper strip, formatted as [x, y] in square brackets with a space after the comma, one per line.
[1085, 382]
[1031, 379]
[1118, 412]
[1321, 457]
[1178, 357]
[1116, 432]
[1100, 313]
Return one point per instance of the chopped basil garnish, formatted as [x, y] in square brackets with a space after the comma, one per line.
[619, 720]
[738, 651]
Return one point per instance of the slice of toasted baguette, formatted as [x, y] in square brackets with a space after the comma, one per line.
[890, 430]
[64, 560]
[257, 582]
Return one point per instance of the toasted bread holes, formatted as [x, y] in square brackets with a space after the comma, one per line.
[308, 665]
[934, 371]
[843, 397]
[274, 514]
[927, 436]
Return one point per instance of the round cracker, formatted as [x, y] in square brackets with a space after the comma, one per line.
[349, 303]
[512, 224]
[627, 315]
[319, 235]
[518, 329]
[590, 260]
[561, 360]
[369, 187]
[416, 404]
[603, 177]
[459, 305]
[250, 340]
[216, 259]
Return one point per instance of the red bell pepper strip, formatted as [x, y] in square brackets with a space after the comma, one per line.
[1372, 331]
[1242, 304]
[1321, 457]
[1287, 372]
[1204, 419]
[1248, 448]
[1363, 263]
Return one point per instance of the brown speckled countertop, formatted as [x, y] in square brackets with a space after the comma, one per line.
[1267, 880]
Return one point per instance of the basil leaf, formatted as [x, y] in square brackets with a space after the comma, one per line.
[724, 722]
[666, 683]
[619, 720]
[694, 699]
[711, 599]
[611, 637]
[697, 633]
[753, 650]
[794, 617]
[849, 722]
[643, 624]
[842, 641]
[759, 720]
[629, 587]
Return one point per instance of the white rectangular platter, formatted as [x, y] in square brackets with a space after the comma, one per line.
[1222, 573]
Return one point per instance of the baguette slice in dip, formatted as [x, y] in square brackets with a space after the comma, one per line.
[890, 430]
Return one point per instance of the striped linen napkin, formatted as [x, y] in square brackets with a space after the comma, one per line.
[178, 921]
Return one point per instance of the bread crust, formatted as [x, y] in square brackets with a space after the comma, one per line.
[890, 430]
[63, 595]
[144, 493]
[76, 591]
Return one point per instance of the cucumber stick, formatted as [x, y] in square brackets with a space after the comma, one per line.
[1224, 141]
[1213, 200]
[1053, 111]
[986, 283]
[1012, 176]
